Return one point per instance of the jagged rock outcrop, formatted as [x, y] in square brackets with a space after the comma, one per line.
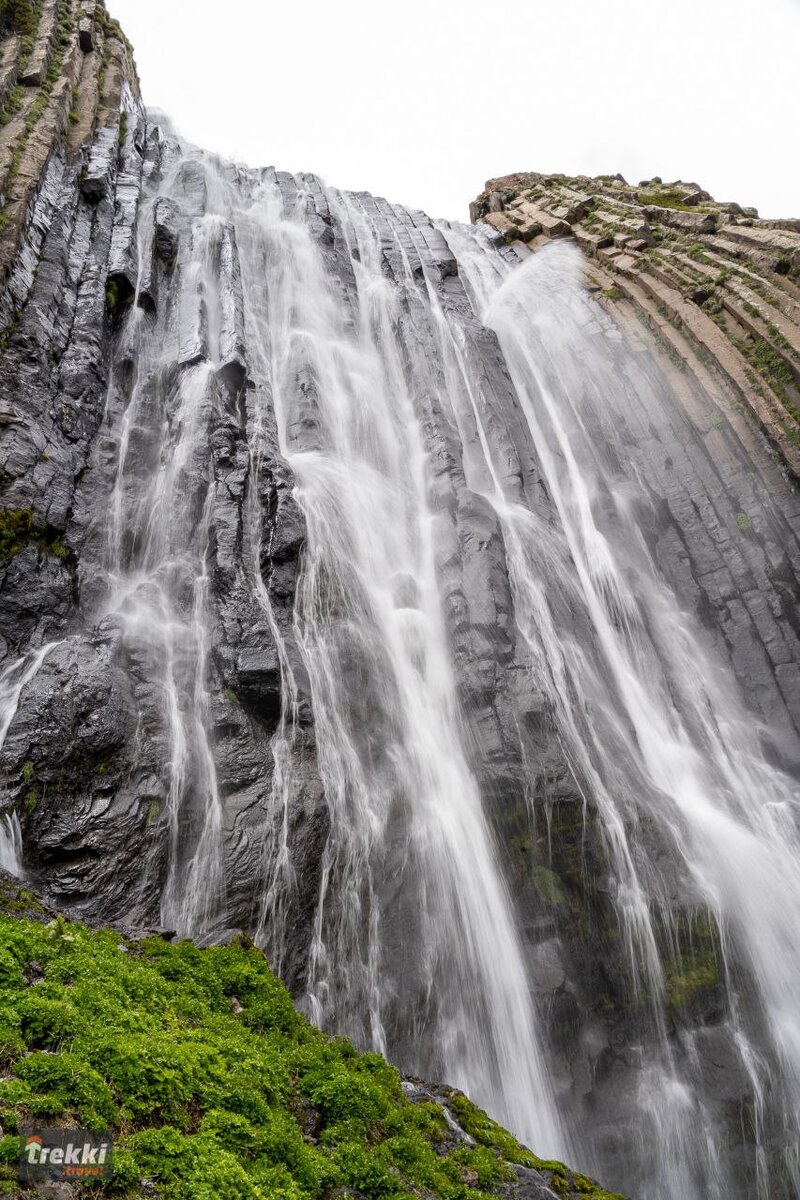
[718, 286]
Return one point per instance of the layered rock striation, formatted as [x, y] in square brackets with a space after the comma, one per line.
[719, 286]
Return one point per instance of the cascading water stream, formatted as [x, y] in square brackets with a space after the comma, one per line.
[11, 844]
[414, 949]
[407, 833]
[157, 569]
[16, 676]
[659, 729]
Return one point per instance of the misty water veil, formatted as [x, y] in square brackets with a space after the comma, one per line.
[430, 395]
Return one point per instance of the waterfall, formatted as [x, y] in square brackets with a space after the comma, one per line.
[156, 565]
[655, 729]
[409, 852]
[13, 679]
[414, 950]
[11, 844]
[463, 623]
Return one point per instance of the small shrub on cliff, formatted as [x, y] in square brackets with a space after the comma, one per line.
[767, 362]
[18, 16]
[19, 527]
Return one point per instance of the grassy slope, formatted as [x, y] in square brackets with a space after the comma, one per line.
[217, 1089]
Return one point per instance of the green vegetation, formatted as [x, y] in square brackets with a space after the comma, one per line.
[668, 198]
[111, 27]
[691, 956]
[18, 16]
[696, 974]
[767, 362]
[42, 100]
[548, 885]
[20, 527]
[17, 530]
[713, 304]
[778, 338]
[28, 776]
[744, 522]
[488, 1133]
[520, 846]
[13, 104]
[112, 295]
[119, 294]
[697, 251]
[215, 1087]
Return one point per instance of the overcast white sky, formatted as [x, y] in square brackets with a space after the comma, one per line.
[423, 100]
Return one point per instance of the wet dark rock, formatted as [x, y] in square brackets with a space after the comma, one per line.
[55, 1191]
[166, 218]
[33, 974]
[529, 1185]
[258, 675]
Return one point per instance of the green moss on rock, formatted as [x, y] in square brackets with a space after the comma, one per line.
[696, 975]
[548, 885]
[214, 1085]
[20, 527]
[666, 198]
[487, 1133]
[18, 16]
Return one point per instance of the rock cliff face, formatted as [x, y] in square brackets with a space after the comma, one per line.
[201, 699]
[72, 158]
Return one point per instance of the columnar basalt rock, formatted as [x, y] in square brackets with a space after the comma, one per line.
[86, 754]
[717, 285]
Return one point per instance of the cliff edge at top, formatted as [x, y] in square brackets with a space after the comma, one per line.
[719, 286]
